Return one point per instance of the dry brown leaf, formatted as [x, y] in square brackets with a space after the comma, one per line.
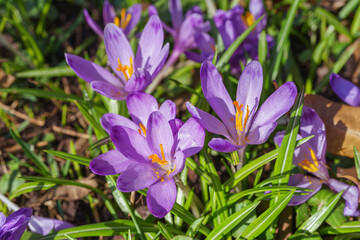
[342, 123]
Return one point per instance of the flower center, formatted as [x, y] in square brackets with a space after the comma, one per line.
[155, 158]
[124, 20]
[239, 115]
[248, 19]
[309, 166]
[142, 128]
[126, 70]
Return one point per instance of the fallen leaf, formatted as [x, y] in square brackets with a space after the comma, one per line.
[342, 123]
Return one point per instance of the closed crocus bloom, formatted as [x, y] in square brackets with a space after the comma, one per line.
[241, 123]
[127, 20]
[13, 226]
[310, 157]
[346, 90]
[132, 73]
[150, 150]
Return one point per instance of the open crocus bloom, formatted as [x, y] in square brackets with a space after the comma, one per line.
[189, 32]
[346, 90]
[127, 21]
[241, 121]
[150, 150]
[13, 226]
[310, 157]
[132, 73]
[232, 23]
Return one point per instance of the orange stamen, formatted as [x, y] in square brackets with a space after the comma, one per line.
[314, 157]
[248, 19]
[143, 129]
[155, 158]
[117, 21]
[239, 113]
[126, 70]
[308, 166]
[124, 19]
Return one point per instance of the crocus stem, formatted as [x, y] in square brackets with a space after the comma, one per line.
[241, 158]
[186, 190]
[167, 69]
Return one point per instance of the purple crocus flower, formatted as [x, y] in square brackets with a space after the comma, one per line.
[150, 150]
[13, 226]
[128, 18]
[189, 32]
[132, 73]
[310, 157]
[44, 226]
[346, 90]
[232, 23]
[241, 121]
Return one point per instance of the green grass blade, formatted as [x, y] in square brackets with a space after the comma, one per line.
[348, 227]
[232, 48]
[356, 22]
[194, 227]
[71, 157]
[99, 143]
[266, 218]
[30, 187]
[28, 152]
[42, 93]
[314, 222]
[357, 161]
[164, 231]
[283, 36]
[225, 227]
[94, 123]
[47, 72]
[284, 161]
[198, 169]
[348, 8]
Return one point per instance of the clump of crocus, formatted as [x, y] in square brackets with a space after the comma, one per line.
[310, 157]
[346, 90]
[189, 32]
[127, 20]
[150, 150]
[13, 226]
[241, 121]
[133, 73]
[232, 23]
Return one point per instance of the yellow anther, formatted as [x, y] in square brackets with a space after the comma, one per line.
[248, 19]
[314, 157]
[143, 129]
[126, 70]
[162, 179]
[117, 21]
[170, 171]
[239, 114]
[155, 158]
[308, 166]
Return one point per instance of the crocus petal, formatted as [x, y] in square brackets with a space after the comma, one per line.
[223, 145]
[249, 89]
[140, 106]
[2, 219]
[190, 138]
[15, 224]
[159, 133]
[175, 125]
[152, 10]
[117, 48]
[256, 8]
[108, 90]
[346, 90]
[168, 109]
[311, 124]
[188, 29]
[175, 10]
[161, 197]
[108, 120]
[178, 164]
[109, 163]
[137, 177]
[150, 43]
[351, 196]
[208, 121]
[108, 13]
[300, 180]
[92, 24]
[44, 226]
[130, 143]
[158, 61]
[216, 94]
[261, 134]
[275, 106]
[138, 81]
[135, 11]
[90, 71]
